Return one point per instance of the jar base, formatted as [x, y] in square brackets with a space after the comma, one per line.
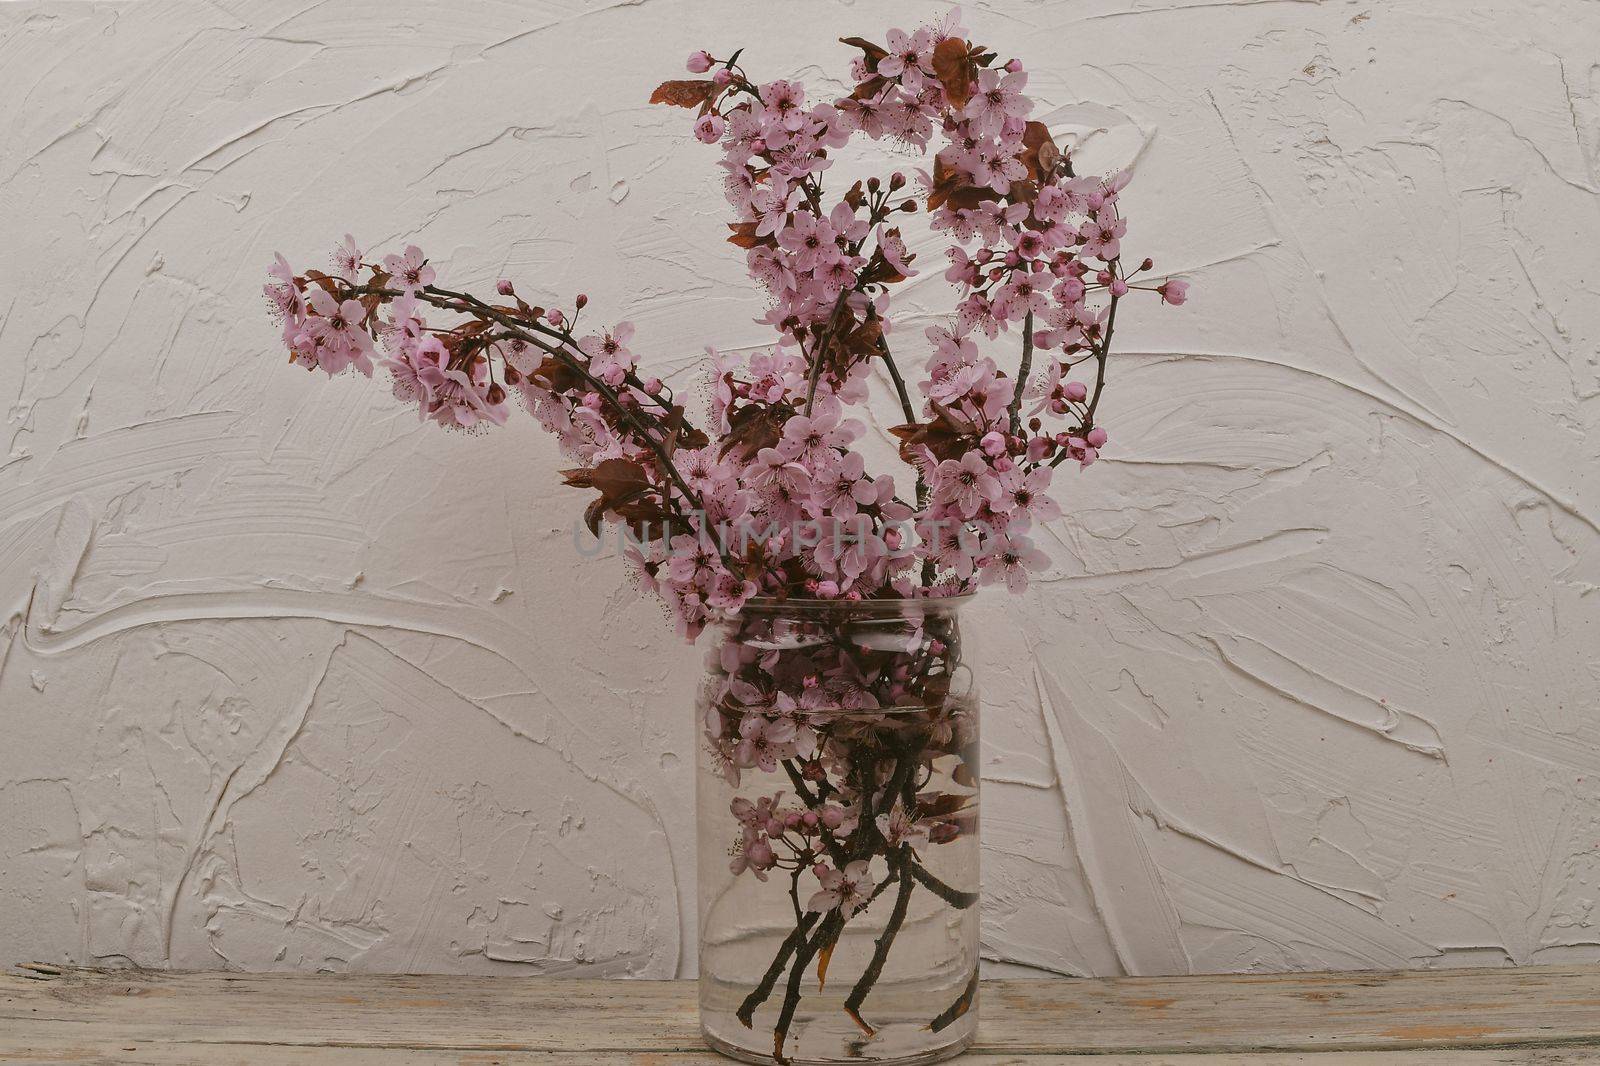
[919, 1058]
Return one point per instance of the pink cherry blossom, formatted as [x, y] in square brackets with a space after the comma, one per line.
[336, 329]
[781, 103]
[910, 58]
[843, 890]
[409, 271]
[764, 741]
[609, 357]
[813, 440]
[347, 259]
[998, 98]
[457, 399]
[1011, 559]
[968, 483]
[1025, 497]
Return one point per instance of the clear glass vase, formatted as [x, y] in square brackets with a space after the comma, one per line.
[838, 833]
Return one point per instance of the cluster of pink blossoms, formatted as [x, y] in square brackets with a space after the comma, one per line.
[774, 498]
[865, 717]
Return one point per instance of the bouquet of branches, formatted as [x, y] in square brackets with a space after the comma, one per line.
[761, 492]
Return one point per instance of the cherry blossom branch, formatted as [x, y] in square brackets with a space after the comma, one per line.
[1031, 244]
[902, 788]
[953, 896]
[647, 432]
[1102, 351]
[769, 980]
[906, 410]
[827, 932]
[962, 1004]
[819, 349]
[1023, 369]
[880, 950]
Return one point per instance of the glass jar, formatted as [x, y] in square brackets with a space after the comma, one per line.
[838, 832]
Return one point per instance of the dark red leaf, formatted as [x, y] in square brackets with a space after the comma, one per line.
[953, 66]
[874, 52]
[1040, 152]
[685, 93]
[744, 235]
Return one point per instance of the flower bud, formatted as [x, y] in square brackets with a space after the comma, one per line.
[554, 316]
[503, 287]
[699, 62]
[582, 301]
[1075, 391]
[708, 129]
[993, 443]
[1147, 264]
[1096, 437]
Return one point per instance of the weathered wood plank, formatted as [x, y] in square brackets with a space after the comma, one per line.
[72, 1047]
[148, 1017]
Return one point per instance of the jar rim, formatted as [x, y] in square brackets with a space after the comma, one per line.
[884, 605]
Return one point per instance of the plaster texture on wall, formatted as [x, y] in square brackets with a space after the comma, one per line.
[288, 681]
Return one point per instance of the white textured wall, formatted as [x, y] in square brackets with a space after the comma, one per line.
[290, 682]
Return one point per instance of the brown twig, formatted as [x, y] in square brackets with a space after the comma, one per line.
[1023, 370]
[954, 896]
[827, 932]
[758, 995]
[962, 1004]
[819, 347]
[880, 949]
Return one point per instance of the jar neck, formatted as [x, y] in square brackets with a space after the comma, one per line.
[848, 610]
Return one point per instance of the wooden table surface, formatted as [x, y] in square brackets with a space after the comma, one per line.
[1546, 1015]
